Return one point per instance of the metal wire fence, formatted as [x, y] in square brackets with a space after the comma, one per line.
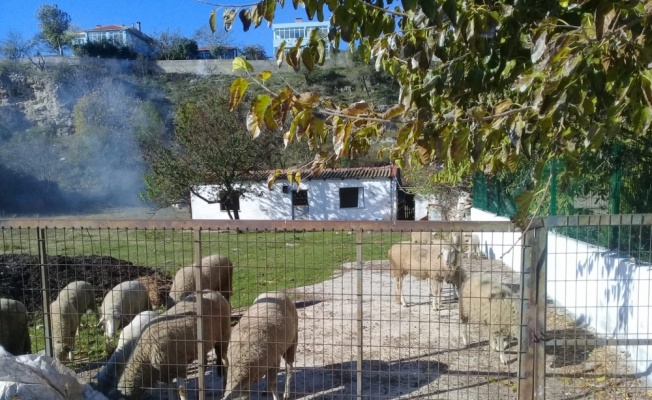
[353, 335]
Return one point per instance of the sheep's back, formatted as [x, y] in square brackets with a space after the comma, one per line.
[272, 321]
[13, 326]
[81, 294]
[130, 298]
[419, 260]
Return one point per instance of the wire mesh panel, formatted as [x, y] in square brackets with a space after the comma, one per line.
[598, 315]
[314, 308]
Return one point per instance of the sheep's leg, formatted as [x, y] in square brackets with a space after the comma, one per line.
[272, 382]
[399, 291]
[181, 388]
[289, 361]
[288, 380]
[435, 289]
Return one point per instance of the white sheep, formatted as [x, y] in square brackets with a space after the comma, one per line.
[107, 377]
[490, 304]
[169, 343]
[120, 306]
[436, 262]
[267, 331]
[82, 295]
[216, 274]
[14, 331]
[64, 319]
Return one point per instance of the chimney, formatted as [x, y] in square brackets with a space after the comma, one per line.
[298, 20]
[138, 25]
[98, 25]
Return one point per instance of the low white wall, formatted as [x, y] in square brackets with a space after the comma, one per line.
[602, 289]
[499, 245]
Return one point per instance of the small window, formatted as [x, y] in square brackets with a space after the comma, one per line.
[300, 198]
[228, 204]
[349, 197]
[286, 189]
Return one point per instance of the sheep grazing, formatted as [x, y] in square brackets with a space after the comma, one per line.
[216, 274]
[267, 331]
[490, 304]
[64, 319]
[169, 343]
[14, 332]
[107, 377]
[81, 294]
[435, 262]
[121, 304]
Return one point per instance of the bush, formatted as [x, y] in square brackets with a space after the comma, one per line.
[103, 49]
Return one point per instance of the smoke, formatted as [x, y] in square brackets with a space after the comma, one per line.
[100, 165]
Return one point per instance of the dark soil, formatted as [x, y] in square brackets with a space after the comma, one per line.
[20, 276]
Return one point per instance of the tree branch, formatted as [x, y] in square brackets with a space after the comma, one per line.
[496, 116]
[226, 5]
[399, 14]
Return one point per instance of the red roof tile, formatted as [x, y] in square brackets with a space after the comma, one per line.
[109, 28]
[388, 171]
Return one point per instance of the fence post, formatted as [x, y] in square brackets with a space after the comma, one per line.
[45, 287]
[359, 237]
[615, 190]
[201, 384]
[532, 367]
[553, 186]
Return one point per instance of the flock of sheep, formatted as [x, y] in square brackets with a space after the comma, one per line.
[154, 347]
[482, 300]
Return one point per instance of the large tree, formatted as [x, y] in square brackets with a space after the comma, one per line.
[211, 147]
[173, 46]
[54, 24]
[485, 86]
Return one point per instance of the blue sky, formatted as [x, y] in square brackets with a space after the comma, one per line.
[154, 16]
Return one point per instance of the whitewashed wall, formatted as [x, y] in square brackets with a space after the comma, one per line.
[377, 201]
[602, 289]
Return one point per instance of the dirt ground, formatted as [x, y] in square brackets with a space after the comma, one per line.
[416, 353]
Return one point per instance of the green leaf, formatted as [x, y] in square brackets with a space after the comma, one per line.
[240, 64]
[409, 5]
[237, 90]
[308, 60]
[450, 9]
[271, 179]
[228, 17]
[256, 114]
[641, 119]
[394, 111]
[292, 58]
[280, 53]
[270, 6]
[265, 75]
[270, 122]
[297, 177]
[245, 18]
[211, 21]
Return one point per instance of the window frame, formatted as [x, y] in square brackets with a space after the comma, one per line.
[359, 196]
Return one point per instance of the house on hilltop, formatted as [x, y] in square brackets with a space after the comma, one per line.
[119, 35]
[292, 31]
[369, 193]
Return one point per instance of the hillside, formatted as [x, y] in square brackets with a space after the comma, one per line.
[86, 119]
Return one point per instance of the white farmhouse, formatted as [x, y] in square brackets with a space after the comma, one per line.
[370, 193]
[119, 35]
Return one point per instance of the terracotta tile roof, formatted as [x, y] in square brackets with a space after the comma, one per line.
[109, 28]
[384, 172]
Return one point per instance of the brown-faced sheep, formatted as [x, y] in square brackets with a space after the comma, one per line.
[216, 274]
[169, 343]
[14, 332]
[267, 331]
[490, 304]
[435, 262]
